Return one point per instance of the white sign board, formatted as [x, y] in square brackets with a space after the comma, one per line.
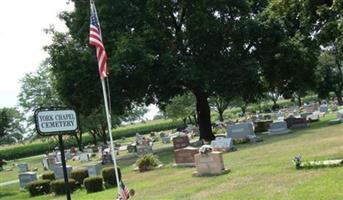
[55, 121]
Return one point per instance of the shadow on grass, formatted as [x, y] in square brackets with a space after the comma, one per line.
[7, 194]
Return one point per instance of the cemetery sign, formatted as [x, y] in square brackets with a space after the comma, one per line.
[55, 121]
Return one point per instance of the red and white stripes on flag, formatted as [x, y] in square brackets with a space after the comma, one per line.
[95, 39]
[124, 192]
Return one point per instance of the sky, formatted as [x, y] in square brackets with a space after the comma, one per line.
[22, 40]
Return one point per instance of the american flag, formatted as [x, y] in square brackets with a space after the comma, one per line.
[95, 39]
[124, 192]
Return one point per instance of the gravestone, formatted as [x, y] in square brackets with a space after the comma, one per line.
[23, 167]
[58, 171]
[335, 121]
[84, 157]
[94, 169]
[26, 178]
[58, 157]
[340, 114]
[314, 117]
[279, 127]
[323, 108]
[180, 142]
[209, 164]
[51, 161]
[131, 148]
[166, 140]
[240, 131]
[262, 126]
[45, 163]
[222, 144]
[296, 122]
[144, 149]
[185, 156]
[68, 155]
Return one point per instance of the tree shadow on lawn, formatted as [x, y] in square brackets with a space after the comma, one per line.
[7, 194]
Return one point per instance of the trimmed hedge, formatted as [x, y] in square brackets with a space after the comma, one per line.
[38, 187]
[79, 175]
[93, 184]
[109, 176]
[32, 149]
[58, 186]
[48, 176]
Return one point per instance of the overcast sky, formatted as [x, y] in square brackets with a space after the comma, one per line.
[22, 39]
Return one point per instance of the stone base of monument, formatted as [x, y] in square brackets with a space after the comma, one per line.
[210, 164]
[335, 121]
[185, 157]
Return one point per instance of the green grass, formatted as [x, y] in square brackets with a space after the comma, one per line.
[258, 171]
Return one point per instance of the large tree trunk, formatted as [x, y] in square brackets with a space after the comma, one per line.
[203, 115]
[221, 112]
[299, 101]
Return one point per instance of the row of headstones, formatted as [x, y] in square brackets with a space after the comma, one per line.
[25, 176]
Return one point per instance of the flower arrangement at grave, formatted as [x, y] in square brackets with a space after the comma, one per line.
[299, 164]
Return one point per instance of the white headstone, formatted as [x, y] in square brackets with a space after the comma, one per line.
[94, 169]
[26, 178]
[58, 171]
[340, 114]
[23, 167]
[221, 143]
[45, 163]
[279, 127]
[240, 131]
[313, 117]
[166, 139]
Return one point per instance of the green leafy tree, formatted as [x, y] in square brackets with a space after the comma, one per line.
[161, 49]
[37, 91]
[325, 20]
[181, 107]
[11, 128]
[328, 76]
[287, 51]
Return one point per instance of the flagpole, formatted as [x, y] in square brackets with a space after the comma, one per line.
[107, 109]
[109, 124]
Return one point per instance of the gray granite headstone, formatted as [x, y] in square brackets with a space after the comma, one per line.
[23, 167]
[144, 149]
[58, 171]
[221, 143]
[26, 178]
[166, 140]
[84, 157]
[279, 127]
[323, 108]
[45, 163]
[240, 131]
[94, 169]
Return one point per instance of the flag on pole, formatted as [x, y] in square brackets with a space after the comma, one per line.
[95, 40]
[124, 192]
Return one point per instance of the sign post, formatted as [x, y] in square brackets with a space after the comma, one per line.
[57, 121]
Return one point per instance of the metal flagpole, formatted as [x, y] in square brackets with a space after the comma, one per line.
[109, 124]
[108, 113]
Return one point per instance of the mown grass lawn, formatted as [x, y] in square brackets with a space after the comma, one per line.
[258, 171]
